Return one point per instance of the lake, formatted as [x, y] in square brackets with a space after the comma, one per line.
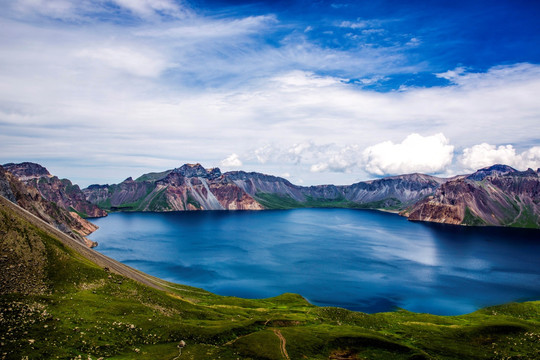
[361, 260]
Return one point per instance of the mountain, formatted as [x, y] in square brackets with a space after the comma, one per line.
[60, 299]
[60, 191]
[497, 196]
[191, 187]
[30, 198]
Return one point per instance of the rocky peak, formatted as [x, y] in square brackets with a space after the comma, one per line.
[27, 170]
[197, 170]
[495, 170]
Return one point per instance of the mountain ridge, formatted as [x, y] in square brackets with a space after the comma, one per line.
[497, 195]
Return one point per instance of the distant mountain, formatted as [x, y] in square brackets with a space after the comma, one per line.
[189, 187]
[192, 187]
[29, 198]
[395, 192]
[498, 196]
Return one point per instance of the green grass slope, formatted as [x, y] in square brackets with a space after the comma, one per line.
[59, 300]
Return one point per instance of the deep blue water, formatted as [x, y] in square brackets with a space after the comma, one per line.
[357, 259]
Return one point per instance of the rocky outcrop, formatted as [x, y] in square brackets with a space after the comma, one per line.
[395, 191]
[27, 170]
[496, 196]
[189, 187]
[256, 183]
[30, 199]
[60, 191]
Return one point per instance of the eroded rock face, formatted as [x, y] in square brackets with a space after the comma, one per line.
[189, 187]
[29, 198]
[60, 191]
[27, 170]
[501, 197]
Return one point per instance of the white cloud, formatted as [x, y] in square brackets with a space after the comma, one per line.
[57, 9]
[231, 161]
[77, 10]
[353, 25]
[452, 74]
[197, 29]
[149, 8]
[482, 155]
[425, 154]
[127, 59]
[343, 160]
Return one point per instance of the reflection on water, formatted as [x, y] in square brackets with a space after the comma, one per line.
[361, 260]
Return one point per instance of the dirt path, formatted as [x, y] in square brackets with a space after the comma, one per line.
[518, 215]
[90, 254]
[283, 344]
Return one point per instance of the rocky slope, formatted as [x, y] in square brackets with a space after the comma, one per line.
[498, 195]
[30, 199]
[190, 187]
[60, 191]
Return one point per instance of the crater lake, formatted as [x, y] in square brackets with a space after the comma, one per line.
[361, 260]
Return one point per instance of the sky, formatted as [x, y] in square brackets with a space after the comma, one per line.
[314, 91]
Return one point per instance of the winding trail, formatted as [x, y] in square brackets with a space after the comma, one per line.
[283, 344]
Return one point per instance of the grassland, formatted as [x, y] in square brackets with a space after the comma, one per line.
[60, 301]
[276, 201]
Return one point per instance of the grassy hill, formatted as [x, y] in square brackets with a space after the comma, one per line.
[59, 299]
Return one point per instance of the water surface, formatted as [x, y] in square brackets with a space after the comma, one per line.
[357, 259]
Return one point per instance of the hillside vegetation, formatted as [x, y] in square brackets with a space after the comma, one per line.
[59, 299]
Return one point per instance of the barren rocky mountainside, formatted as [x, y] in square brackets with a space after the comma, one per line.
[29, 198]
[191, 187]
[60, 191]
[496, 196]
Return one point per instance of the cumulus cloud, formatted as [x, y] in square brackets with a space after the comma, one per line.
[342, 160]
[232, 161]
[482, 155]
[417, 153]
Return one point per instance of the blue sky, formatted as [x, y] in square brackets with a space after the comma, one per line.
[315, 91]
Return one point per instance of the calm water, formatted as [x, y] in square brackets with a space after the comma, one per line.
[361, 260]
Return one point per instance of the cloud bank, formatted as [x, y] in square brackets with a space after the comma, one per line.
[482, 155]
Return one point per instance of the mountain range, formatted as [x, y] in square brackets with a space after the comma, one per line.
[498, 195]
